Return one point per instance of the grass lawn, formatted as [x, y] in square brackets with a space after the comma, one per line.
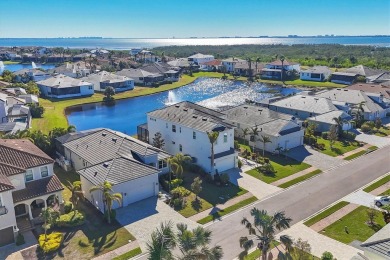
[295, 255]
[257, 253]
[326, 213]
[284, 166]
[9, 62]
[128, 255]
[93, 238]
[54, 115]
[210, 195]
[356, 222]
[305, 83]
[339, 147]
[223, 212]
[300, 179]
[377, 184]
[387, 192]
[355, 155]
[383, 131]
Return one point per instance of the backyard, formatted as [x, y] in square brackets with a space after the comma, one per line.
[354, 226]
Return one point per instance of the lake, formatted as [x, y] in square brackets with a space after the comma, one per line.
[127, 114]
[16, 67]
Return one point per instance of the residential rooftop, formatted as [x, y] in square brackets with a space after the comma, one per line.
[371, 88]
[316, 69]
[62, 81]
[106, 77]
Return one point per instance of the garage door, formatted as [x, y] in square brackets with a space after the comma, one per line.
[6, 236]
[140, 192]
[225, 164]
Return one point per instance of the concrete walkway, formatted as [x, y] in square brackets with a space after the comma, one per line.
[320, 243]
[294, 176]
[320, 225]
[363, 148]
[372, 139]
[381, 189]
[117, 252]
[13, 251]
[220, 207]
[361, 198]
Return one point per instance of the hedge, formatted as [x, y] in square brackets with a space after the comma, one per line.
[72, 219]
[52, 243]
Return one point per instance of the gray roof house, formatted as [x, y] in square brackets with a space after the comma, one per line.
[377, 247]
[283, 130]
[141, 76]
[316, 73]
[365, 71]
[325, 121]
[99, 155]
[104, 79]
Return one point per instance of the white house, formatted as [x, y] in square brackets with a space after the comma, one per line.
[274, 69]
[61, 86]
[316, 73]
[104, 79]
[100, 155]
[200, 58]
[230, 63]
[27, 185]
[74, 70]
[184, 127]
[25, 75]
[13, 109]
[283, 130]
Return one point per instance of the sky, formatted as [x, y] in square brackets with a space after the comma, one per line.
[191, 18]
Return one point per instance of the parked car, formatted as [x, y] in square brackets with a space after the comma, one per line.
[382, 201]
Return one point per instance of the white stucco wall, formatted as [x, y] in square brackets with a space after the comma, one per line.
[8, 219]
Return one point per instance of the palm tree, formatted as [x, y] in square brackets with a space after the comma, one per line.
[254, 133]
[163, 241]
[193, 244]
[245, 132]
[76, 192]
[281, 58]
[264, 139]
[177, 162]
[339, 123]
[257, 62]
[264, 229]
[108, 197]
[249, 60]
[213, 137]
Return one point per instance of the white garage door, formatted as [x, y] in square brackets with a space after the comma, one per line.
[225, 164]
[138, 192]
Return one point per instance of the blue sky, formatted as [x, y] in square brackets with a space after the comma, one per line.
[185, 18]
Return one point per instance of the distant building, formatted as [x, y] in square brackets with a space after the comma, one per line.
[230, 63]
[104, 79]
[343, 77]
[242, 68]
[274, 69]
[213, 65]
[142, 77]
[200, 58]
[25, 75]
[316, 73]
[74, 70]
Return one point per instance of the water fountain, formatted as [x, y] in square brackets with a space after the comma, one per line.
[1, 66]
[33, 65]
[172, 98]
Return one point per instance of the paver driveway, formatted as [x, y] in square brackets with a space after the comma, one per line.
[143, 217]
[372, 139]
[310, 156]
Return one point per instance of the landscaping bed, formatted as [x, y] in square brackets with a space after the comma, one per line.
[356, 224]
[300, 179]
[325, 213]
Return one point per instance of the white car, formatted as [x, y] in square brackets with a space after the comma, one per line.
[382, 201]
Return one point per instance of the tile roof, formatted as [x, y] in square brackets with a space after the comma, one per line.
[191, 115]
[364, 71]
[37, 188]
[328, 117]
[104, 76]
[116, 171]
[212, 63]
[62, 81]
[371, 88]
[5, 184]
[317, 69]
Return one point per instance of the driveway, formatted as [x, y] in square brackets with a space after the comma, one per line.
[12, 251]
[361, 198]
[143, 217]
[310, 156]
[372, 139]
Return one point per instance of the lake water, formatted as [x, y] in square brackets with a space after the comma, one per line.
[16, 67]
[125, 44]
[127, 114]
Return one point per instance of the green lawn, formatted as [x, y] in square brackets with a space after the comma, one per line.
[300, 179]
[356, 223]
[284, 166]
[210, 195]
[223, 212]
[9, 62]
[95, 237]
[325, 213]
[387, 192]
[129, 255]
[355, 155]
[257, 253]
[339, 147]
[305, 83]
[377, 184]
[383, 131]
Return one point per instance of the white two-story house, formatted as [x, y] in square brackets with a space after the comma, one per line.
[27, 185]
[184, 127]
[200, 58]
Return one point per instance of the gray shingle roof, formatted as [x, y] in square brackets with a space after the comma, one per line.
[62, 81]
[191, 115]
[317, 69]
[318, 105]
[117, 171]
[104, 76]
[135, 73]
[328, 117]
[182, 62]
[379, 243]
[364, 71]
[12, 127]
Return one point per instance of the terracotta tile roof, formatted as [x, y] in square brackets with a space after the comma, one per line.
[38, 188]
[21, 153]
[9, 170]
[212, 63]
[5, 184]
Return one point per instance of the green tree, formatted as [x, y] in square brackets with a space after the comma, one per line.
[327, 256]
[213, 137]
[245, 133]
[264, 228]
[36, 110]
[196, 187]
[339, 123]
[264, 139]
[49, 217]
[250, 74]
[77, 193]
[177, 162]
[108, 197]
[378, 123]
[158, 141]
[282, 59]
[109, 93]
[254, 132]
[8, 76]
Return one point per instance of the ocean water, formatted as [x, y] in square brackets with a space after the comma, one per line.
[125, 44]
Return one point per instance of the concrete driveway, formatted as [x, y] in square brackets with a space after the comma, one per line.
[372, 139]
[310, 156]
[143, 217]
[361, 198]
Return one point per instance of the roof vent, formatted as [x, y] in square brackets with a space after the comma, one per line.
[105, 165]
[185, 109]
[177, 106]
[94, 175]
[245, 107]
[204, 119]
[104, 134]
[114, 139]
[195, 116]
[303, 97]
[345, 89]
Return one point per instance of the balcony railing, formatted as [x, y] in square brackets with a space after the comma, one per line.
[3, 210]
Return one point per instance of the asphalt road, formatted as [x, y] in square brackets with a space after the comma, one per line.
[307, 198]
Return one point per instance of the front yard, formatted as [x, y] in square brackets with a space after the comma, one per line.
[383, 131]
[354, 226]
[339, 147]
[95, 237]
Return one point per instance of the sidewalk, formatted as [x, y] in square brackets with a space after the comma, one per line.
[220, 207]
[294, 176]
[117, 252]
[381, 189]
[363, 148]
[320, 225]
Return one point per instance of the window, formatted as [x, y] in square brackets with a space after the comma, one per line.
[225, 137]
[174, 128]
[180, 147]
[162, 164]
[194, 135]
[44, 171]
[166, 125]
[252, 138]
[29, 176]
[90, 87]
[180, 129]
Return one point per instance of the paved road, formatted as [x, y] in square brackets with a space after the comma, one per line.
[304, 200]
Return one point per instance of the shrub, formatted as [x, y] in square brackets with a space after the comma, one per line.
[180, 192]
[68, 207]
[176, 183]
[72, 219]
[52, 243]
[320, 146]
[36, 110]
[325, 135]
[236, 145]
[209, 178]
[266, 160]
[179, 203]
[366, 127]
[267, 168]
[348, 135]
[327, 256]
[20, 239]
[239, 164]
[225, 178]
